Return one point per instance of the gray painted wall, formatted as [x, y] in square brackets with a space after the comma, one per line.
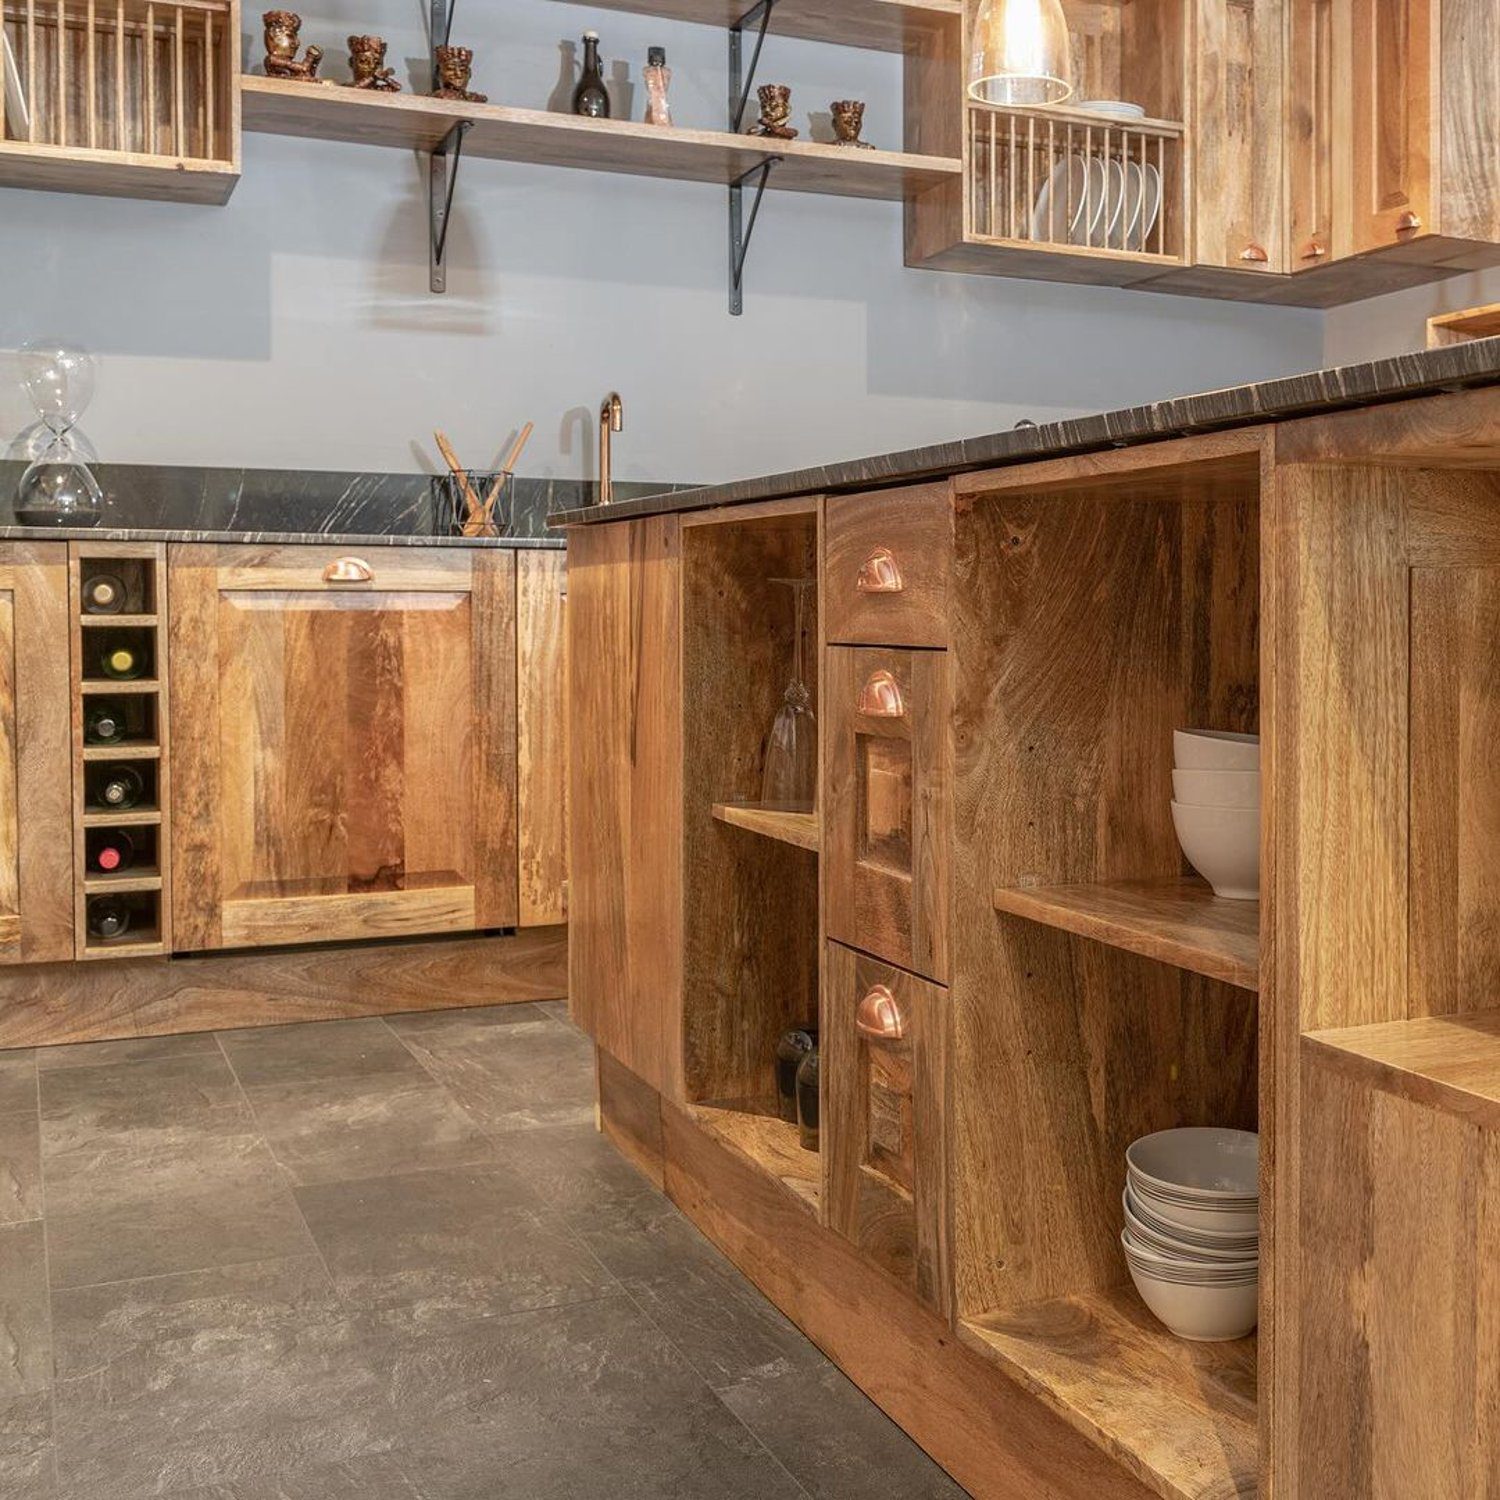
[294, 328]
[1398, 323]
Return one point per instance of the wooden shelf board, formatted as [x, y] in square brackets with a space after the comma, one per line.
[130, 817]
[109, 687]
[799, 828]
[128, 883]
[885, 25]
[115, 174]
[1180, 1416]
[128, 750]
[1179, 922]
[117, 622]
[1450, 1063]
[503, 133]
[762, 1137]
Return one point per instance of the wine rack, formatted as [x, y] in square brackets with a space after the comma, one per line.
[122, 851]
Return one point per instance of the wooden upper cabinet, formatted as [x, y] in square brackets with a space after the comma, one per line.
[36, 794]
[343, 745]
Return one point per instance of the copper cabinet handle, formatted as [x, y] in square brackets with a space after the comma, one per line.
[880, 574]
[1408, 223]
[879, 1017]
[1314, 251]
[1255, 254]
[880, 697]
[348, 570]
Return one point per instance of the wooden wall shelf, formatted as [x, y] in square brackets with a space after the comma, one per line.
[1180, 1416]
[501, 133]
[1179, 922]
[799, 828]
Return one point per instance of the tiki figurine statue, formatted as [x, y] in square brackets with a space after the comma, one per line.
[455, 65]
[282, 28]
[367, 64]
[775, 112]
[848, 121]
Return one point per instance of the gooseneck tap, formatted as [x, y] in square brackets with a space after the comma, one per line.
[611, 420]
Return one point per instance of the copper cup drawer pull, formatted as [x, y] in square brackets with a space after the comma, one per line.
[880, 573]
[879, 1017]
[880, 697]
[348, 570]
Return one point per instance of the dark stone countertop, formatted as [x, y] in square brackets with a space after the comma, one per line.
[264, 538]
[1407, 375]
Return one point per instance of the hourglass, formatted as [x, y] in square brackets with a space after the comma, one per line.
[58, 489]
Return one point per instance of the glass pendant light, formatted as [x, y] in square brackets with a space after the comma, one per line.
[1020, 53]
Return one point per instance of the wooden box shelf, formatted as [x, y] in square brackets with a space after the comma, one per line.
[757, 1133]
[1180, 922]
[797, 828]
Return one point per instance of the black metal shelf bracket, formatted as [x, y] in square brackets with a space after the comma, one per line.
[741, 81]
[442, 178]
[741, 228]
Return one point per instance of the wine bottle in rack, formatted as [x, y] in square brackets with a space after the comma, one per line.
[108, 917]
[113, 851]
[116, 787]
[104, 723]
[103, 594]
[123, 663]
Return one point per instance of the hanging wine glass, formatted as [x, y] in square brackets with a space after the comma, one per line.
[790, 781]
[59, 488]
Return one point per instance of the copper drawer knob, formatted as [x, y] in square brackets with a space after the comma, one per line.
[1314, 251]
[879, 1017]
[880, 573]
[348, 570]
[1408, 223]
[1256, 254]
[880, 697]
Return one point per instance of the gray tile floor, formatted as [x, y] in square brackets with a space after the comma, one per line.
[371, 1259]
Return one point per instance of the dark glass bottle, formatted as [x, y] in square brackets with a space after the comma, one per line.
[110, 851]
[116, 787]
[590, 97]
[790, 1050]
[104, 723]
[103, 594]
[807, 1101]
[122, 662]
[107, 917]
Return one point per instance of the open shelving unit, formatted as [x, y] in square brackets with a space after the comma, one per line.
[800, 829]
[756, 1133]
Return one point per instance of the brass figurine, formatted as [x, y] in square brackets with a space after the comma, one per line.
[775, 112]
[367, 64]
[455, 66]
[848, 121]
[282, 40]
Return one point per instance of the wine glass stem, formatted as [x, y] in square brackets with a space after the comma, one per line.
[799, 592]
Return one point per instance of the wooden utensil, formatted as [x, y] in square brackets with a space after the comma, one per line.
[472, 504]
[507, 471]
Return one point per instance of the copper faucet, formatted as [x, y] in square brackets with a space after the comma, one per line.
[611, 420]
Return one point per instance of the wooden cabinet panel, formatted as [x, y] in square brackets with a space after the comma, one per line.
[886, 791]
[542, 737]
[36, 800]
[1312, 239]
[343, 754]
[887, 558]
[885, 1050]
[625, 918]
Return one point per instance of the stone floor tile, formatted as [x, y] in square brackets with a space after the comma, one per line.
[20, 1166]
[325, 1049]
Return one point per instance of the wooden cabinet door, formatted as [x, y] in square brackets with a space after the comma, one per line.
[542, 737]
[885, 814]
[1310, 95]
[885, 1051]
[1392, 100]
[343, 745]
[625, 789]
[36, 760]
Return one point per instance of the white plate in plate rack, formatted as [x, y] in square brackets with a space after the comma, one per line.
[1065, 184]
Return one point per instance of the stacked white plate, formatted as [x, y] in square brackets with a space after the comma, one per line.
[1216, 808]
[1192, 1229]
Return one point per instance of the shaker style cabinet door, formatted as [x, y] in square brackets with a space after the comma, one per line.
[343, 743]
[542, 736]
[885, 805]
[36, 790]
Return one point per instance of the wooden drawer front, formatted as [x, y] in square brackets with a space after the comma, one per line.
[884, 1059]
[886, 563]
[347, 569]
[886, 804]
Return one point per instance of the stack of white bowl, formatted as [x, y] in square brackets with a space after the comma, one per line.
[1216, 808]
[1191, 1236]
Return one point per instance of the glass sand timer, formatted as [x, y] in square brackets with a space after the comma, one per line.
[790, 781]
[58, 489]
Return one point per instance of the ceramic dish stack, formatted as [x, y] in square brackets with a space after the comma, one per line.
[1216, 808]
[1192, 1229]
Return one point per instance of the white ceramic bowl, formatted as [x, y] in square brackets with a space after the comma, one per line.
[1172, 1263]
[1217, 788]
[1215, 750]
[1235, 1242]
[1211, 1162]
[1204, 1314]
[1175, 1216]
[1223, 845]
[1176, 1246]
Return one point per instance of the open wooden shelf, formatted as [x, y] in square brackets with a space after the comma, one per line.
[130, 817]
[1179, 922]
[756, 1132]
[1450, 1063]
[1180, 1416]
[110, 687]
[134, 881]
[117, 622]
[502, 133]
[885, 25]
[799, 828]
[123, 750]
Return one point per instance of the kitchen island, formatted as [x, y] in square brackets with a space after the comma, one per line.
[1006, 635]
